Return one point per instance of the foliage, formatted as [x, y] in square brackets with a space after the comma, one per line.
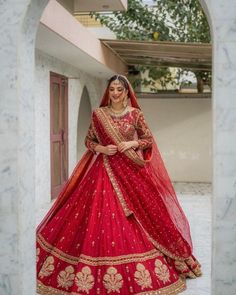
[166, 20]
[186, 20]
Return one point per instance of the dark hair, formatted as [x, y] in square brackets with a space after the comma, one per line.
[122, 80]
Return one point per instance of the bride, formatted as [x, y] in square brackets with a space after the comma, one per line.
[117, 226]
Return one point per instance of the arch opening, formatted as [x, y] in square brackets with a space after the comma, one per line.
[84, 115]
[25, 51]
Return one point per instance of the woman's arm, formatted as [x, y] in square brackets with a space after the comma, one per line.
[91, 141]
[145, 138]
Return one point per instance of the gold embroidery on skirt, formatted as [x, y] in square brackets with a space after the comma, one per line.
[95, 261]
[142, 276]
[47, 267]
[162, 271]
[65, 279]
[112, 280]
[84, 279]
[172, 289]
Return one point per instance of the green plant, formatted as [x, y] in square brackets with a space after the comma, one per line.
[166, 20]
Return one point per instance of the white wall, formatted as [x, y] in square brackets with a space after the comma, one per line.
[77, 81]
[182, 128]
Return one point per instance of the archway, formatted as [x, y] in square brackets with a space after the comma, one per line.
[17, 143]
[84, 115]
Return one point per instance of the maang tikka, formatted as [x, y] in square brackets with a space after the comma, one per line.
[117, 81]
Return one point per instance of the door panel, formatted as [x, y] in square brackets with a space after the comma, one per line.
[59, 132]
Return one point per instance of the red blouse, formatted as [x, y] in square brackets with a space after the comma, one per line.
[131, 125]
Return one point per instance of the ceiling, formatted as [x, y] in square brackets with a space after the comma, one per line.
[197, 56]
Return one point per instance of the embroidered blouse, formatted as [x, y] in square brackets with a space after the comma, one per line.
[131, 125]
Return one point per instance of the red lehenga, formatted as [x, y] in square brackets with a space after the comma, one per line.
[113, 229]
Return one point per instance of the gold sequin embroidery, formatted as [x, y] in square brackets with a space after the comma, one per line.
[172, 289]
[84, 279]
[115, 185]
[162, 271]
[142, 276]
[112, 280]
[65, 279]
[47, 267]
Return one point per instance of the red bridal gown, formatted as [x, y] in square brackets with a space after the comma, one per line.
[90, 246]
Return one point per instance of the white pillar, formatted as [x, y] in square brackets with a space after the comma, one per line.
[224, 148]
[18, 25]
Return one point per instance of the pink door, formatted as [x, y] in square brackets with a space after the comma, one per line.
[58, 132]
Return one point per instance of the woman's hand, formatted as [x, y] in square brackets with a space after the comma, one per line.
[107, 150]
[126, 145]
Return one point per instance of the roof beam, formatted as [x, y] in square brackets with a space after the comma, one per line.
[162, 54]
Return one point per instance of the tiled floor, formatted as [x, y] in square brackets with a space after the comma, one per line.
[195, 198]
[197, 207]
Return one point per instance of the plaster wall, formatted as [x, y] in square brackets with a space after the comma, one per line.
[183, 131]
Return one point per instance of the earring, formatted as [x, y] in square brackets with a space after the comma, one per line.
[125, 102]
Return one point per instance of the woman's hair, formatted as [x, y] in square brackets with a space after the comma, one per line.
[122, 80]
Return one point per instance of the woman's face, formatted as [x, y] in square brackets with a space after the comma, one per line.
[117, 92]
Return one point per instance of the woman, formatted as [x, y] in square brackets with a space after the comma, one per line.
[117, 227]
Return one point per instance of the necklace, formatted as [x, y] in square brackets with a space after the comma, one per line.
[118, 112]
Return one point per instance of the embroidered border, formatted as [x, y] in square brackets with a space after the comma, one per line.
[115, 185]
[95, 261]
[172, 289]
[45, 290]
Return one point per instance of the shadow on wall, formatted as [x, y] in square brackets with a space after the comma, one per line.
[84, 117]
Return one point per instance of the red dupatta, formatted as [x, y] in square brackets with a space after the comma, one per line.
[155, 168]
[142, 192]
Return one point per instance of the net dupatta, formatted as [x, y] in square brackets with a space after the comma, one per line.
[159, 175]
